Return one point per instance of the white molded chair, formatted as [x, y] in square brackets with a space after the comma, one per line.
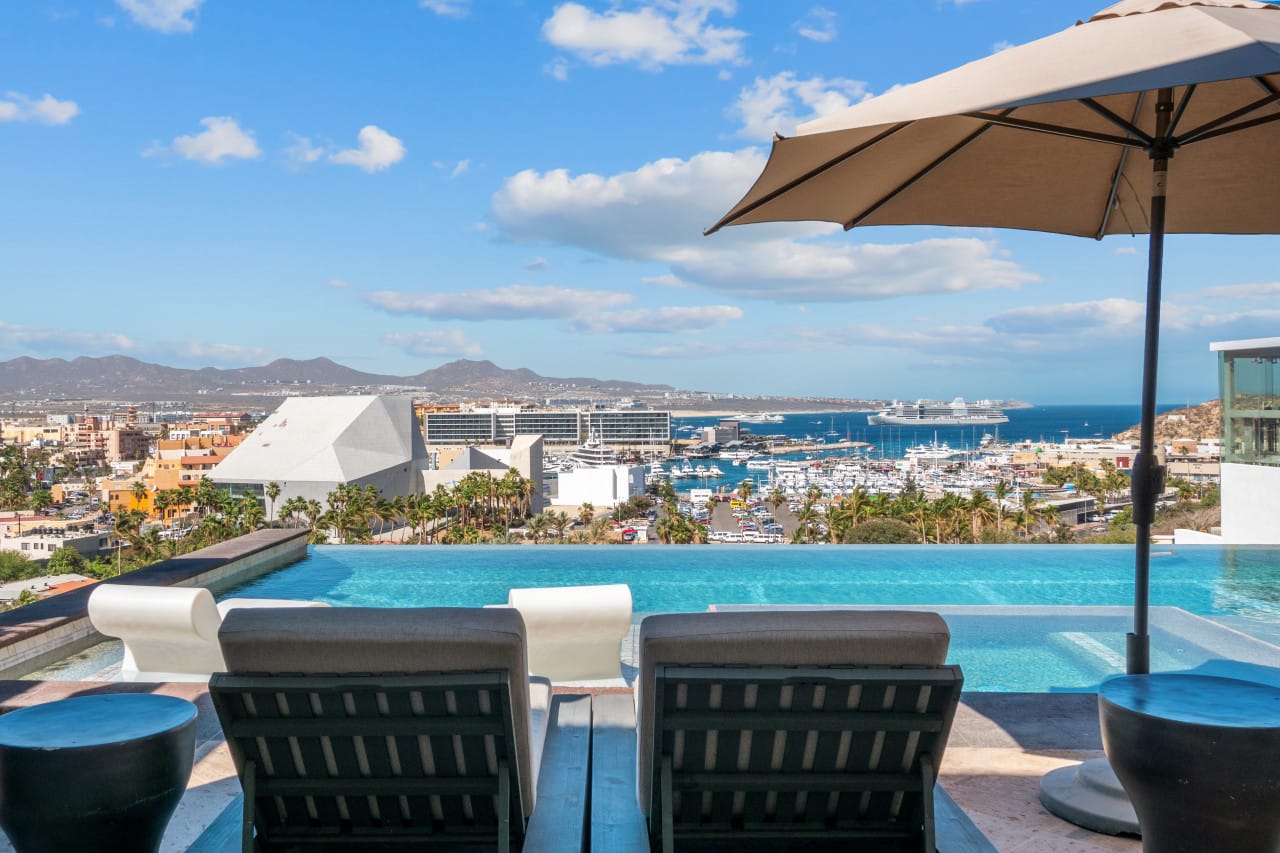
[575, 633]
[169, 633]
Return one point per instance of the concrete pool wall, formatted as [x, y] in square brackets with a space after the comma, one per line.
[58, 626]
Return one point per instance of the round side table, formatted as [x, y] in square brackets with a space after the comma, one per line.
[1199, 757]
[101, 773]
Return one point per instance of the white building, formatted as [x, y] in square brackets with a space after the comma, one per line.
[1249, 385]
[606, 486]
[310, 445]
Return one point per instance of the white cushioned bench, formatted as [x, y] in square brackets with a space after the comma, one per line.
[169, 633]
[575, 633]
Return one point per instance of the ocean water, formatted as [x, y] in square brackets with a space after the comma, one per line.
[1039, 423]
[1023, 618]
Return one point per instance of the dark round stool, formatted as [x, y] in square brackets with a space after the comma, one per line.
[1200, 759]
[101, 773]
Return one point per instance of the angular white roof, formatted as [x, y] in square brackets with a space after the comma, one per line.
[325, 439]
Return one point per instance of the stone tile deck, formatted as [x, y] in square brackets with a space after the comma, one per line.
[1000, 746]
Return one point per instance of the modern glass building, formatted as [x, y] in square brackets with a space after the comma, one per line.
[1247, 384]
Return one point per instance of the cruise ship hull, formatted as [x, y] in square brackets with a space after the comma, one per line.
[927, 413]
[904, 420]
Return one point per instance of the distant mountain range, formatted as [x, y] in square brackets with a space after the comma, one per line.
[121, 377]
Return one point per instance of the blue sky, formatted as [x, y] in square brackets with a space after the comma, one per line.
[398, 183]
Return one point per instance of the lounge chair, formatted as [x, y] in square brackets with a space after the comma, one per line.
[170, 633]
[799, 728]
[575, 633]
[381, 728]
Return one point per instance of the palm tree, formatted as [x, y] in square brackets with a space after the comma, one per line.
[981, 511]
[1000, 493]
[538, 526]
[745, 489]
[586, 513]
[272, 491]
[776, 499]
[140, 493]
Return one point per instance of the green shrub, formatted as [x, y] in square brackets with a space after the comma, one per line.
[15, 566]
[882, 531]
[67, 561]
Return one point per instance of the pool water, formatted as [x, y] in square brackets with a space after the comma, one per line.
[1023, 618]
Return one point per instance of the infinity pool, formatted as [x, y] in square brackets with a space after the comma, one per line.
[1023, 618]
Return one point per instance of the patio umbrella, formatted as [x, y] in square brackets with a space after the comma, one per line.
[1064, 135]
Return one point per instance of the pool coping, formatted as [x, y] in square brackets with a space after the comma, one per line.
[52, 628]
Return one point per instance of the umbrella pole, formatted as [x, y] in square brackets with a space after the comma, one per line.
[1148, 474]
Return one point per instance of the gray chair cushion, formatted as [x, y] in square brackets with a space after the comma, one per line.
[370, 640]
[778, 638]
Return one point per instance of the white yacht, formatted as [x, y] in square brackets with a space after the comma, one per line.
[594, 454]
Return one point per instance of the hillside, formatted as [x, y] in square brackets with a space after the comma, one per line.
[1202, 421]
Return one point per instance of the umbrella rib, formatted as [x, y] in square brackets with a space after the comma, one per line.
[1057, 130]
[1127, 126]
[1215, 128]
[1118, 175]
[812, 173]
[905, 185]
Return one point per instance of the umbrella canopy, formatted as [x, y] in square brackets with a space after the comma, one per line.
[1074, 133]
[954, 149]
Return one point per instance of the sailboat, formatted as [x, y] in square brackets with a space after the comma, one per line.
[832, 430]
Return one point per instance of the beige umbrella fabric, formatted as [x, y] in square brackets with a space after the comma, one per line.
[863, 165]
[1150, 117]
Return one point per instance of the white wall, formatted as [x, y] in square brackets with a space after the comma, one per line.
[1250, 497]
[601, 487]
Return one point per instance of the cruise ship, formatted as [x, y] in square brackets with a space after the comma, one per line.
[929, 413]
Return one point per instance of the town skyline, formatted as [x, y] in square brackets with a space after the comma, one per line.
[197, 183]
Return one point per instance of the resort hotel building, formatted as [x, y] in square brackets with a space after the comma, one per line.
[622, 428]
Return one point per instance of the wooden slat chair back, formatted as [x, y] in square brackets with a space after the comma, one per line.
[335, 751]
[824, 744]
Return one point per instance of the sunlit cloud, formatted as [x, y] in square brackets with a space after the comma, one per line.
[778, 103]
[221, 141]
[654, 34]
[514, 302]
[442, 343]
[656, 214]
[164, 16]
[377, 151]
[17, 107]
[818, 24]
[448, 8]
[667, 320]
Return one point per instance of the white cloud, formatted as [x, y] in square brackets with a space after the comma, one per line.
[654, 34]
[1268, 290]
[514, 302]
[664, 280]
[377, 150]
[212, 354]
[662, 321]
[557, 68]
[166, 16]
[47, 110]
[301, 152]
[1125, 250]
[818, 24]
[222, 139]
[769, 105]
[656, 213]
[1115, 314]
[536, 264]
[28, 340]
[448, 8]
[337, 284]
[446, 343]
